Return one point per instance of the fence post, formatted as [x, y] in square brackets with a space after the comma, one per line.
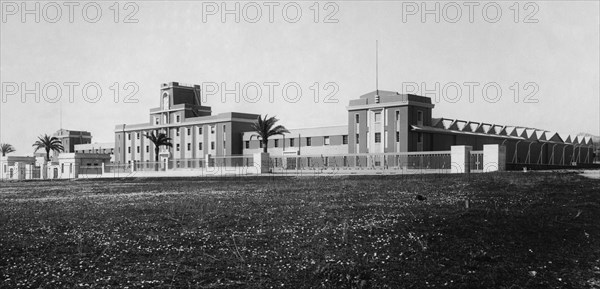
[207, 160]
[494, 158]
[43, 171]
[28, 172]
[460, 159]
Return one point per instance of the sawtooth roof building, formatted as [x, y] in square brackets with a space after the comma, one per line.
[379, 122]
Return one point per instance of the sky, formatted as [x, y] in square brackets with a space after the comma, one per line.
[100, 64]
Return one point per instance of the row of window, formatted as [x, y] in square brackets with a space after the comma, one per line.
[104, 151]
[378, 117]
[344, 140]
[326, 141]
[177, 147]
[157, 119]
[178, 131]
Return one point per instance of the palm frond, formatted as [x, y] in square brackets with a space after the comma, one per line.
[264, 127]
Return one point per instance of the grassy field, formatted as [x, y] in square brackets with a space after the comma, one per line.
[521, 230]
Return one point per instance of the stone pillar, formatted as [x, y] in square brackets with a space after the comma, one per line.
[460, 159]
[133, 166]
[18, 171]
[28, 172]
[261, 162]
[43, 171]
[102, 168]
[494, 158]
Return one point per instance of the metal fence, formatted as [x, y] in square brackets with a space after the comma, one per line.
[476, 160]
[181, 164]
[184, 164]
[231, 161]
[90, 170]
[439, 160]
[117, 168]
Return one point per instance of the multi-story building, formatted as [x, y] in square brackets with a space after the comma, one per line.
[384, 122]
[379, 122]
[71, 138]
[194, 131]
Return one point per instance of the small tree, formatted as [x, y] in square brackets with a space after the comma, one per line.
[49, 144]
[158, 140]
[265, 128]
[6, 149]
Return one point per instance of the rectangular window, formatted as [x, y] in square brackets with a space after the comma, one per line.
[200, 146]
[419, 117]
[397, 115]
[357, 118]
[128, 150]
[224, 129]
[129, 136]
[147, 149]
[378, 117]
[212, 129]
[420, 137]
[137, 135]
[212, 145]
[260, 144]
[200, 130]
[156, 120]
[276, 143]
[308, 141]
[189, 131]
[357, 139]
[377, 137]
[137, 149]
[345, 139]
[177, 131]
[326, 140]
[291, 142]
[178, 147]
[397, 136]
[247, 144]
[177, 118]
[189, 146]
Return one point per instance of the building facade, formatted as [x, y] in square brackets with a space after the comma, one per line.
[97, 148]
[379, 122]
[194, 130]
[71, 138]
[384, 122]
[306, 141]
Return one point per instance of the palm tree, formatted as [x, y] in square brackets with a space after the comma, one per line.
[265, 128]
[158, 140]
[49, 144]
[6, 148]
